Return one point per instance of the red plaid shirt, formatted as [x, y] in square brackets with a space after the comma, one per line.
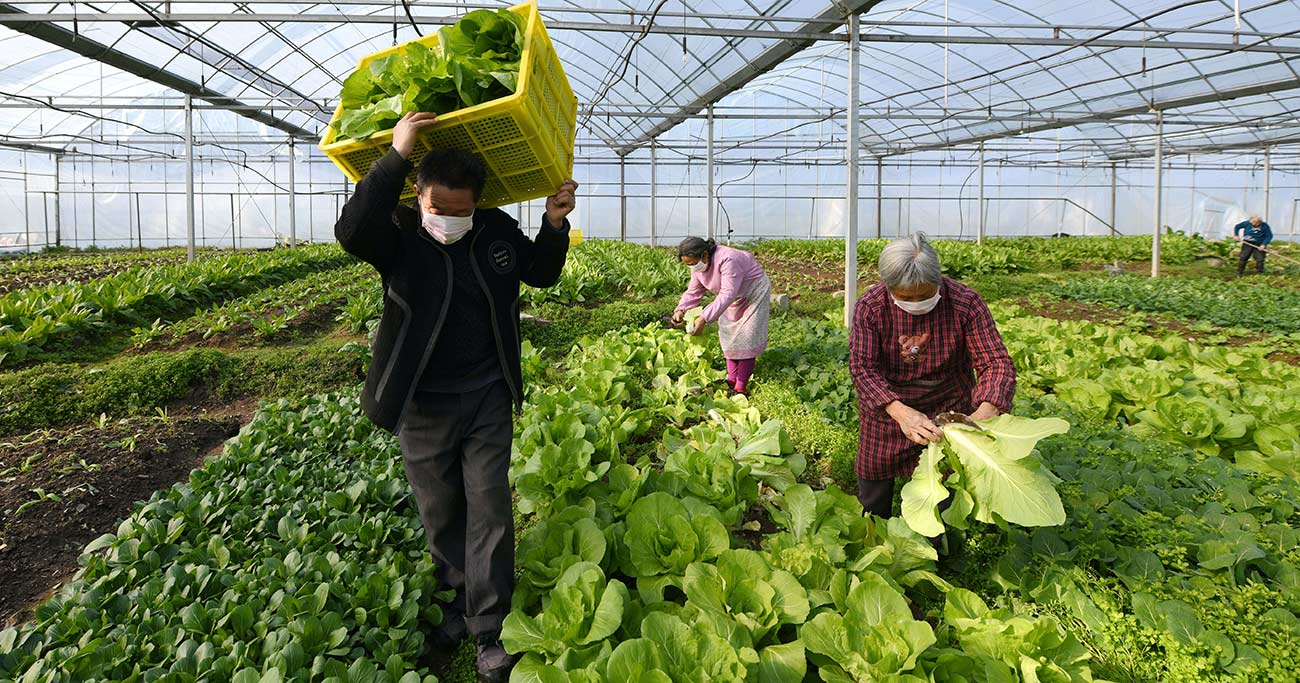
[929, 362]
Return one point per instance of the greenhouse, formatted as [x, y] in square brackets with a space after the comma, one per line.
[580, 341]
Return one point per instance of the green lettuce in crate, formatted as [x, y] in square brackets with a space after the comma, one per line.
[478, 62]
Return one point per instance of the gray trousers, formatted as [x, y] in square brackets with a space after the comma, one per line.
[1249, 252]
[456, 449]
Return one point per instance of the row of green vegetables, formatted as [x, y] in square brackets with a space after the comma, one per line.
[1213, 399]
[59, 260]
[1273, 310]
[598, 270]
[295, 555]
[92, 270]
[1216, 400]
[1172, 563]
[271, 310]
[33, 320]
[672, 543]
[1012, 254]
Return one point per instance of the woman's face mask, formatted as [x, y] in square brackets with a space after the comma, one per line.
[917, 307]
[698, 267]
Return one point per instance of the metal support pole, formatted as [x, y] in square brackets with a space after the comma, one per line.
[1160, 171]
[293, 198]
[189, 178]
[1268, 188]
[1113, 172]
[851, 236]
[27, 209]
[980, 220]
[708, 170]
[233, 223]
[311, 205]
[654, 191]
[58, 210]
[202, 212]
[129, 216]
[880, 197]
[139, 227]
[622, 199]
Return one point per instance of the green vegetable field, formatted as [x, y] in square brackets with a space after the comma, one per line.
[190, 491]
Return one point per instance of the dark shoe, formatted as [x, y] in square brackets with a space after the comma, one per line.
[443, 642]
[494, 663]
[450, 632]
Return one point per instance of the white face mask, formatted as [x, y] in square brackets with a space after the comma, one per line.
[918, 307]
[446, 229]
[699, 267]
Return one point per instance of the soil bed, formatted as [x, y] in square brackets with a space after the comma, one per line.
[98, 473]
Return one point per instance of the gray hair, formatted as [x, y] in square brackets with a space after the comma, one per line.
[1255, 217]
[908, 262]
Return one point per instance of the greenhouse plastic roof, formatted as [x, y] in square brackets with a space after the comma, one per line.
[933, 74]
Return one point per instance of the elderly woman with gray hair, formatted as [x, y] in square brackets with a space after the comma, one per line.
[921, 344]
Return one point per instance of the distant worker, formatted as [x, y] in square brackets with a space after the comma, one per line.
[1254, 242]
[742, 306]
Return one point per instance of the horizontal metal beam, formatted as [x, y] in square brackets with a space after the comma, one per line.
[738, 150]
[1114, 114]
[462, 7]
[765, 61]
[896, 115]
[641, 14]
[387, 20]
[1030, 41]
[809, 35]
[32, 147]
[61, 37]
[1212, 148]
[735, 112]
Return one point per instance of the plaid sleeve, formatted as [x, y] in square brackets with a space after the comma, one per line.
[865, 362]
[995, 374]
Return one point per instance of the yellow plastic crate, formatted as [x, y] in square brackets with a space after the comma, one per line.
[524, 139]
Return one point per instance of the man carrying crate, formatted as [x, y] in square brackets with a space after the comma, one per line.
[445, 373]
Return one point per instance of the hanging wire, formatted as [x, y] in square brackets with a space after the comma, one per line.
[685, 11]
[410, 17]
[610, 79]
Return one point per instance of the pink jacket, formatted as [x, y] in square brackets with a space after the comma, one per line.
[730, 272]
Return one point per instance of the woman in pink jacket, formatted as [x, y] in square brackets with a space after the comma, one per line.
[741, 308]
